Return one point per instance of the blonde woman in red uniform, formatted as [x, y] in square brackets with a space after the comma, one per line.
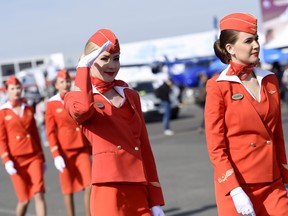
[124, 175]
[244, 126]
[68, 146]
[21, 150]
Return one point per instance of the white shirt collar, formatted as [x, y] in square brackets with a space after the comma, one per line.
[8, 105]
[56, 98]
[119, 89]
[259, 73]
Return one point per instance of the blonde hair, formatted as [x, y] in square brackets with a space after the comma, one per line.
[89, 47]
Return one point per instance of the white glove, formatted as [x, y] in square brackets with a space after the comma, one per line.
[9, 166]
[242, 202]
[88, 60]
[157, 211]
[59, 163]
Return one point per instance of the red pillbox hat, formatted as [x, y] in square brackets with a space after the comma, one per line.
[102, 36]
[63, 74]
[243, 22]
[12, 80]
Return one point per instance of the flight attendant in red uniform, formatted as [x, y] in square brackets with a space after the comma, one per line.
[69, 148]
[124, 175]
[21, 150]
[244, 126]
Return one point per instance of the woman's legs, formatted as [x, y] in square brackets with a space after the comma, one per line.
[21, 208]
[87, 193]
[166, 114]
[69, 204]
[40, 204]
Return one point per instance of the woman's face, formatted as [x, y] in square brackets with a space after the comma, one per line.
[63, 85]
[106, 66]
[245, 50]
[14, 91]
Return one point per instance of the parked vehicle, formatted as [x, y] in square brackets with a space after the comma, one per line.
[150, 103]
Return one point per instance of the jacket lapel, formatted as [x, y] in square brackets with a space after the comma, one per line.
[238, 88]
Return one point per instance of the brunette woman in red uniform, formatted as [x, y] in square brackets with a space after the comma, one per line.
[244, 126]
[69, 148]
[21, 149]
[124, 175]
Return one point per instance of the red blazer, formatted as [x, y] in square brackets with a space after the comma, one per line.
[18, 134]
[243, 147]
[121, 152]
[63, 133]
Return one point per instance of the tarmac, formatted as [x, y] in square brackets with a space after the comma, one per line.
[184, 169]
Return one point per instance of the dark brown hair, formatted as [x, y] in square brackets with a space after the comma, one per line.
[226, 37]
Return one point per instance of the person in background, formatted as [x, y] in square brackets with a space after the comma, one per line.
[40, 110]
[201, 97]
[69, 147]
[163, 93]
[285, 85]
[124, 175]
[21, 150]
[277, 69]
[244, 127]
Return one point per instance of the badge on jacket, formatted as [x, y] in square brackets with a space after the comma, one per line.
[237, 96]
[8, 117]
[58, 110]
[99, 105]
[272, 91]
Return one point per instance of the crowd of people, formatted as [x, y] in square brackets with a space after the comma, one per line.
[99, 142]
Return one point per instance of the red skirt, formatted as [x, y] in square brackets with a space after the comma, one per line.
[29, 179]
[269, 199]
[119, 199]
[77, 174]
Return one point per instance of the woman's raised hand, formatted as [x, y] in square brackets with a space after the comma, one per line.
[88, 60]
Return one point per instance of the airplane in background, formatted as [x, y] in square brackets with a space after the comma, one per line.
[181, 58]
[183, 72]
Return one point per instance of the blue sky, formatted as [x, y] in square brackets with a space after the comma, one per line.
[35, 27]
